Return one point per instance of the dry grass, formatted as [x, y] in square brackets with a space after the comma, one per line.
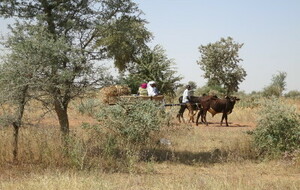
[200, 157]
[245, 175]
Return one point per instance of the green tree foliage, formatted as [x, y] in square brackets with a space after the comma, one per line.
[277, 85]
[182, 87]
[219, 61]
[210, 90]
[154, 65]
[293, 94]
[62, 40]
[128, 40]
[14, 87]
[58, 72]
[192, 84]
[278, 128]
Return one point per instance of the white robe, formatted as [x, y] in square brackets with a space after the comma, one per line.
[152, 91]
[186, 94]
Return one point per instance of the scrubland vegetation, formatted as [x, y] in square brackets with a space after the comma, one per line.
[109, 151]
[53, 137]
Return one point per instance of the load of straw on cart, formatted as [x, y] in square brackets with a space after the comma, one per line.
[111, 94]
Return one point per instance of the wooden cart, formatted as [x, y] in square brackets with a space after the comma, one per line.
[113, 100]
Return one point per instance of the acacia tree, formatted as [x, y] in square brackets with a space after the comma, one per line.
[153, 64]
[13, 98]
[24, 71]
[64, 39]
[277, 85]
[15, 82]
[219, 61]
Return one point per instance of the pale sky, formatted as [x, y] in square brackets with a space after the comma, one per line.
[269, 29]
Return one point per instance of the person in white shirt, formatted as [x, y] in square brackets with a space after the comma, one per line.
[186, 99]
[151, 88]
[186, 94]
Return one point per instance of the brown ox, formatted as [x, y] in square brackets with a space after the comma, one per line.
[196, 103]
[191, 106]
[215, 106]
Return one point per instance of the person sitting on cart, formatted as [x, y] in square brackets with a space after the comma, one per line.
[152, 89]
[143, 90]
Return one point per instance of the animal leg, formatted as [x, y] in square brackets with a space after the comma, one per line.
[194, 116]
[224, 116]
[204, 117]
[180, 113]
[198, 115]
[226, 119]
[191, 112]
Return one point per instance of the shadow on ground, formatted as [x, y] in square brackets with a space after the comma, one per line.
[217, 124]
[166, 154]
[185, 157]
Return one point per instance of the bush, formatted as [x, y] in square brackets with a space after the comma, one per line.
[129, 127]
[88, 106]
[249, 101]
[293, 94]
[278, 128]
[132, 122]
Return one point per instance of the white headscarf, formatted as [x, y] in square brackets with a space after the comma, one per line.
[152, 91]
[151, 82]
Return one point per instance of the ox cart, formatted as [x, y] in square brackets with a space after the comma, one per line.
[113, 100]
[159, 98]
[112, 94]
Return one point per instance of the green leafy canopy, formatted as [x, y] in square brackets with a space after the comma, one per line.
[219, 61]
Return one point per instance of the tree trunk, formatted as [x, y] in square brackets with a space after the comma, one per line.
[16, 139]
[62, 114]
[17, 123]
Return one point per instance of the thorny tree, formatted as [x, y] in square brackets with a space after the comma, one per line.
[153, 64]
[63, 40]
[13, 97]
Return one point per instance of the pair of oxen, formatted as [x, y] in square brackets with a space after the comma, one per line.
[205, 104]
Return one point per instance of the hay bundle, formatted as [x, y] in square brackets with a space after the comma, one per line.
[110, 94]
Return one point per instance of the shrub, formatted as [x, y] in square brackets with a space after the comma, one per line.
[278, 128]
[250, 101]
[293, 94]
[131, 121]
[129, 127]
[88, 106]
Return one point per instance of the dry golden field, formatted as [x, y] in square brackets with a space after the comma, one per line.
[200, 157]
